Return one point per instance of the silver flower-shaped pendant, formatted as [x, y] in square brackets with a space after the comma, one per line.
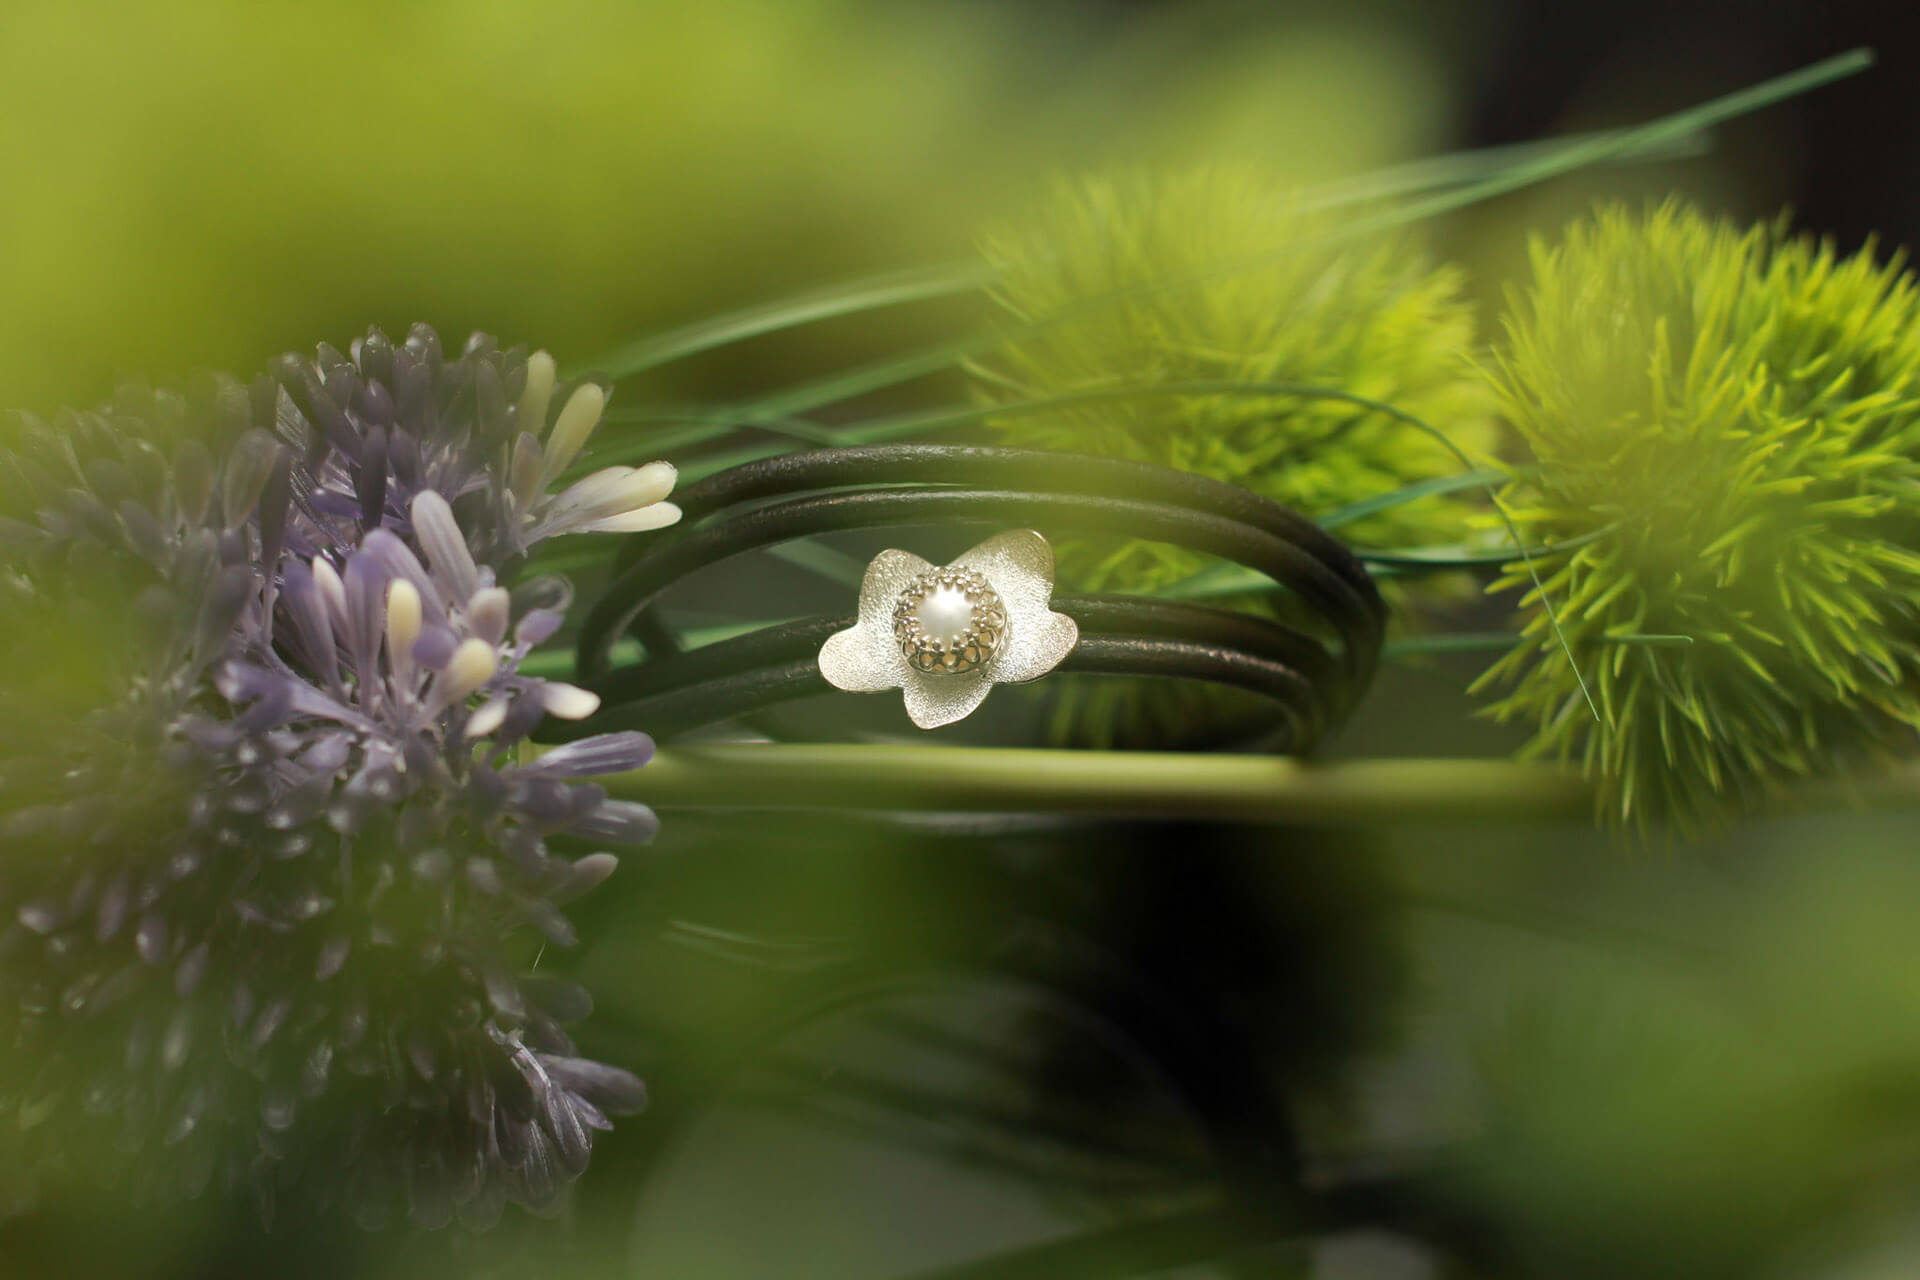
[945, 635]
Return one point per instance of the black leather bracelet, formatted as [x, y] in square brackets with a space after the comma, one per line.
[1311, 674]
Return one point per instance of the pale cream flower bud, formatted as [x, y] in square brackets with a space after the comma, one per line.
[576, 422]
[472, 665]
[538, 392]
[403, 622]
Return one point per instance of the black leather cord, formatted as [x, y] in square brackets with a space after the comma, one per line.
[665, 711]
[1031, 470]
[1353, 611]
[1020, 470]
[797, 495]
[1118, 636]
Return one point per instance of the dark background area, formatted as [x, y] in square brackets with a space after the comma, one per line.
[1529, 69]
[1854, 168]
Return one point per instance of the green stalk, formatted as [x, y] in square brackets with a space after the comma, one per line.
[1245, 788]
[1281, 790]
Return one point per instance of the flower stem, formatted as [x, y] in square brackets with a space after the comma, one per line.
[1281, 790]
[1246, 788]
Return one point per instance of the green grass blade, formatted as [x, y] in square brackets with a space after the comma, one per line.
[1412, 493]
[835, 566]
[1614, 143]
[922, 284]
[1233, 579]
[862, 379]
[894, 288]
[1457, 168]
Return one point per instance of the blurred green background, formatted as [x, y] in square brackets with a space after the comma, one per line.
[1609, 1062]
[205, 184]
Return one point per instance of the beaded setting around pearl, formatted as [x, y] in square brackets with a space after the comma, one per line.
[949, 621]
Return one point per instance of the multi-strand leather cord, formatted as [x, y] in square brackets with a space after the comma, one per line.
[1311, 685]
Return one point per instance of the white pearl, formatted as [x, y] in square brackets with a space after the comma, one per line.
[945, 615]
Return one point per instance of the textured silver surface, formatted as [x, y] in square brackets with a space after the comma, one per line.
[866, 658]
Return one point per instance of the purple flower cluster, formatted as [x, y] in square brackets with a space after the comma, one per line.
[275, 864]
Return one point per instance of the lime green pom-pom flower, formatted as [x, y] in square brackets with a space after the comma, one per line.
[1727, 422]
[1220, 277]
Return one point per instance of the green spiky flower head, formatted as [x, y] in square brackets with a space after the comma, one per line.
[1198, 291]
[1725, 422]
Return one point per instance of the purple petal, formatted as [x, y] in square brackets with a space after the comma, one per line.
[487, 614]
[445, 545]
[541, 798]
[327, 754]
[270, 709]
[249, 462]
[366, 589]
[229, 592]
[571, 1143]
[589, 757]
[370, 479]
[398, 560]
[537, 628]
[612, 1090]
[618, 822]
[547, 591]
[300, 596]
[525, 713]
[192, 480]
[585, 875]
[275, 503]
[559, 999]
[434, 649]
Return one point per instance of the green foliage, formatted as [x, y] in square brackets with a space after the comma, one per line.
[1731, 416]
[1218, 276]
[211, 181]
[1725, 1098]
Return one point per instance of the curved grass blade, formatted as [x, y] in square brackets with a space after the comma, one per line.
[894, 288]
[1456, 168]
[923, 284]
[1435, 487]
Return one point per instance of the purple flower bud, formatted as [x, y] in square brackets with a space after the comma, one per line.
[246, 474]
[445, 545]
[434, 649]
[537, 627]
[587, 757]
[624, 822]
